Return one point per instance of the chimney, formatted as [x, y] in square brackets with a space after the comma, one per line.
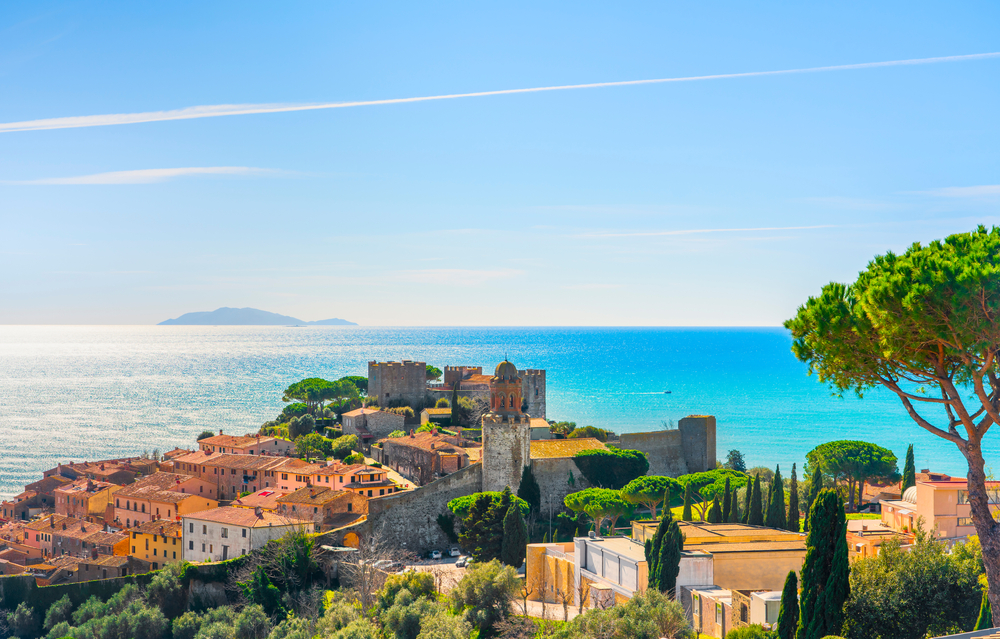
[412, 433]
[220, 431]
[102, 466]
[64, 525]
[259, 512]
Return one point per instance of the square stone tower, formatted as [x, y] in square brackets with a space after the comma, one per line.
[398, 382]
[506, 432]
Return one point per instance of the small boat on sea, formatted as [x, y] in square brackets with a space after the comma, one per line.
[666, 392]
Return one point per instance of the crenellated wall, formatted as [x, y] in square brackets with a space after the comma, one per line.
[398, 383]
[533, 390]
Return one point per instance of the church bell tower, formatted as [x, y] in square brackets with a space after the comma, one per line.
[506, 432]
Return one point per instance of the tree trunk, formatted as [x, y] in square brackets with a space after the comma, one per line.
[986, 527]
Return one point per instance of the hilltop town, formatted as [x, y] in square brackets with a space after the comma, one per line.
[403, 457]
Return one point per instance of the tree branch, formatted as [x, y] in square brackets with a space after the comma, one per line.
[931, 428]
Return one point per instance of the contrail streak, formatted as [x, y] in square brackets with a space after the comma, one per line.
[218, 110]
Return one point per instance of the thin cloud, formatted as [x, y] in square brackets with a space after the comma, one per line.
[147, 176]
[456, 276]
[985, 190]
[218, 110]
[695, 231]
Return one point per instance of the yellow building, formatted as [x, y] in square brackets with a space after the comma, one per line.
[157, 541]
[549, 572]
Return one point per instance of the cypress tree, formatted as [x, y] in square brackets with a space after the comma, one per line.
[756, 516]
[663, 554]
[776, 506]
[747, 500]
[909, 470]
[529, 490]
[734, 513]
[793, 503]
[727, 502]
[985, 619]
[715, 512]
[686, 514]
[454, 404]
[515, 538]
[788, 614]
[815, 485]
[825, 570]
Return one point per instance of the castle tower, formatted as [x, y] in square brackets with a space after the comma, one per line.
[506, 431]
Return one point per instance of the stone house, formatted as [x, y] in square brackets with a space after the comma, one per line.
[109, 567]
[84, 498]
[224, 533]
[326, 507]
[79, 538]
[25, 506]
[711, 610]
[423, 457]
[370, 424]
[436, 415]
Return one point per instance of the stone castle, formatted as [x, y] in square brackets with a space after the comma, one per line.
[405, 383]
[506, 431]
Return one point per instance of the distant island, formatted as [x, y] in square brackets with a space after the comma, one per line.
[226, 316]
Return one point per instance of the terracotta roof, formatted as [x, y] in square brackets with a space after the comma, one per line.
[48, 484]
[264, 498]
[552, 448]
[177, 452]
[115, 561]
[234, 441]
[46, 523]
[538, 422]
[82, 485]
[197, 457]
[106, 538]
[245, 462]
[477, 379]
[362, 411]
[158, 527]
[244, 517]
[312, 495]
[427, 441]
[153, 483]
[76, 529]
[305, 469]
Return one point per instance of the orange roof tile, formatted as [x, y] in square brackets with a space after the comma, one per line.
[244, 517]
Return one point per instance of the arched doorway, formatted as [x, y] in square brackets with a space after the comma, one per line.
[351, 540]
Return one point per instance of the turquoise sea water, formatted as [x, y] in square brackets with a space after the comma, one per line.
[89, 392]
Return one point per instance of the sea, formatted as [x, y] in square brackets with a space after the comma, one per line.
[82, 393]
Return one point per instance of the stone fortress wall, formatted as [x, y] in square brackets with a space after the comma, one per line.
[672, 453]
[398, 383]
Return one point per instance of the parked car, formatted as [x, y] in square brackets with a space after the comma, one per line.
[455, 552]
[461, 563]
[435, 554]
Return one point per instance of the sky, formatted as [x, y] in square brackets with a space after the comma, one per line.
[722, 201]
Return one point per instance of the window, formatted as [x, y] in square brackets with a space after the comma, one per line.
[133, 550]
[284, 475]
[718, 613]
[154, 552]
[203, 547]
[381, 491]
[211, 548]
[965, 521]
[147, 544]
[243, 552]
[350, 507]
[204, 529]
[173, 542]
[175, 554]
[190, 545]
[369, 493]
[342, 479]
[744, 613]
[244, 533]
[192, 528]
[225, 533]
[118, 503]
[315, 509]
[963, 497]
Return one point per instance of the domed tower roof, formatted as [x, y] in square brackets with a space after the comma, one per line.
[505, 371]
[910, 495]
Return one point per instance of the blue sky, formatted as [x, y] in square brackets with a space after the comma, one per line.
[551, 208]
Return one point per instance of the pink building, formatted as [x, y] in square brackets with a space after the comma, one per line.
[942, 502]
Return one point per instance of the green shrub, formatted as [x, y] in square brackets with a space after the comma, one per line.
[754, 631]
[612, 468]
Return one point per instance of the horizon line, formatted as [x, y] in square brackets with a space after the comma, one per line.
[219, 110]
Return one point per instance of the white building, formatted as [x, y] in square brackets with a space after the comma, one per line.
[224, 533]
